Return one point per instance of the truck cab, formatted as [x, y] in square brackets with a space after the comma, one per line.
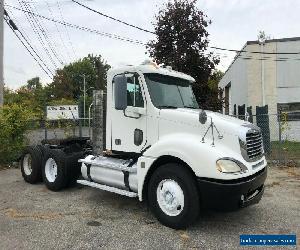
[182, 156]
[161, 147]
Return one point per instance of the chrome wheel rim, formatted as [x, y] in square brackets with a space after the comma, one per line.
[170, 197]
[27, 161]
[51, 170]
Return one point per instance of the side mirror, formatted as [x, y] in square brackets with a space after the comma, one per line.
[120, 92]
[202, 117]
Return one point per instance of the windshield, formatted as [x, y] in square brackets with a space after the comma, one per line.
[170, 92]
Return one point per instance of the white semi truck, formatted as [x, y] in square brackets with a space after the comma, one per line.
[160, 148]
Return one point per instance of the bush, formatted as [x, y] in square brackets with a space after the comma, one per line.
[14, 121]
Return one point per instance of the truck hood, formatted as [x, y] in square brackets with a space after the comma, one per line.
[190, 117]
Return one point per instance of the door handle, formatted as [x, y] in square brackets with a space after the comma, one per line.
[134, 117]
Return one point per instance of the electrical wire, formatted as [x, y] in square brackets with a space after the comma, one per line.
[113, 18]
[110, 35]
[255, 52]
[40, 32]
[44, 33]
[58, 31]
[211, 47]
[34, 27]
[67, 31]
[14, 31]
[27, 40]
[113, 36]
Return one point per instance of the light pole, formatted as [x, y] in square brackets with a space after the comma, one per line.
[84, 95]
[262, 40]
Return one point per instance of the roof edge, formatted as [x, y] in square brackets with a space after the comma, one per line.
[288, 39]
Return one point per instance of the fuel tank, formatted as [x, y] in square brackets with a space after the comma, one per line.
[110, 171]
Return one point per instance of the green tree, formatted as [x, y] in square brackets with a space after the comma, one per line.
[34, 84]
[32, 96]
[181, 42]
[214, 79]
[66, 88]
[215, 91]
[68, 82]
[14, 121]
[101, 67]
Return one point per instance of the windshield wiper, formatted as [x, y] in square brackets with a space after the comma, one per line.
[167, 107]
[190, 107]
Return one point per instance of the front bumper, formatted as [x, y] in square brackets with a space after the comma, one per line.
[232, 194]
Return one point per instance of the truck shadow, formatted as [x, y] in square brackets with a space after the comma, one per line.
[135, 210]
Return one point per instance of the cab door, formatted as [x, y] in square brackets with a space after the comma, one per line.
[128, 133]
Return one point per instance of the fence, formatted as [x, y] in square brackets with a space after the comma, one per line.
[281, 136]
[58, 129]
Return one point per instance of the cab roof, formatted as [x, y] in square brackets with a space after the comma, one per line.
[150, 68]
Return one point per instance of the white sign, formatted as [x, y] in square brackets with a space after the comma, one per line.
[62, 112]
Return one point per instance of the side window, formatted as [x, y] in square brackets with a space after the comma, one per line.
[134, 92]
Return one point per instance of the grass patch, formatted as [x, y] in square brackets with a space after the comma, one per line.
[288, 149]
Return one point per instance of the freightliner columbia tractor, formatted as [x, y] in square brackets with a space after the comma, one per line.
[160, 147]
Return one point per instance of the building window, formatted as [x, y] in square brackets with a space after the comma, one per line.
[291, 109]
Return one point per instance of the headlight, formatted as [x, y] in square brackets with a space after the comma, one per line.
[230, 166]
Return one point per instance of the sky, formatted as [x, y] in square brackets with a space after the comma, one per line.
[233, 23]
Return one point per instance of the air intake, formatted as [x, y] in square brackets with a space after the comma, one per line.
[254, 144]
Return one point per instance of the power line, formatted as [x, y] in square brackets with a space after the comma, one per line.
[67, 32]
[110, 35]
[211, 47]
[14, 31]
[27, 40]
[113, 18]
[45, 32]
[255, 52]
[263, 58]
[58, 31]
[33, 24]
[113, 36]
[40, 32]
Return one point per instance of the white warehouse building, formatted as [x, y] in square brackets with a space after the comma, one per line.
[271, 78]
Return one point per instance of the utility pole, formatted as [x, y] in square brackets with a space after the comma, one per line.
[262, 40]
[84, 93]
[262, 74]
[84, 97]
[1, 51]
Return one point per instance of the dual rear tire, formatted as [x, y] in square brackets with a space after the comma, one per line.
[60, 169]
[54, 170]
[52, 166]
[31, 164]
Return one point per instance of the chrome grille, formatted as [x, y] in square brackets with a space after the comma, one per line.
[254, 144]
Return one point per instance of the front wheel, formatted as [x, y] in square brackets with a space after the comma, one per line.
[173, 196]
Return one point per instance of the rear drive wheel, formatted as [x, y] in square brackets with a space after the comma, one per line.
[31, 162]
[173, 196]
[54, 170]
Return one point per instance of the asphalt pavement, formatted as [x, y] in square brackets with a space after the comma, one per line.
[32, 217]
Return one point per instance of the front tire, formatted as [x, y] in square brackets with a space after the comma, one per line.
[173, 196]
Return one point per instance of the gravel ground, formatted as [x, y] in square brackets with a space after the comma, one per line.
[32, 217]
